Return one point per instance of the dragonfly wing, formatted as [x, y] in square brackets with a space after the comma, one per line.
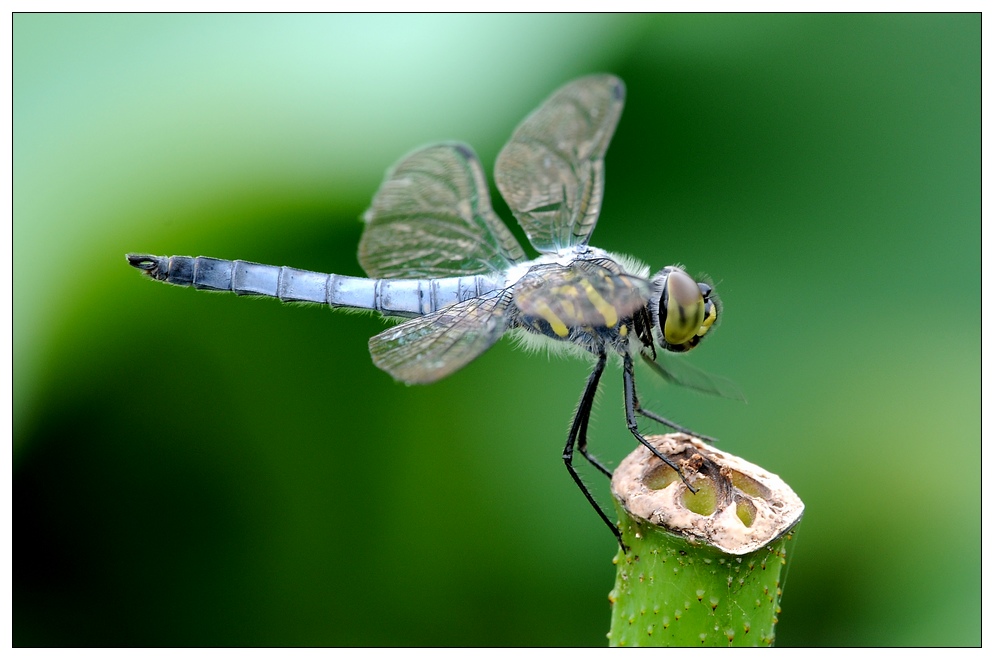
[551, 173]
[429, 348]
[680, 372]
[582, 294]
[432, 217]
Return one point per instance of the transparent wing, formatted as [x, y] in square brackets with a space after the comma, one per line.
[582, 294]
[551, 173]
[680, 372]
[431, 347]
[432, 217]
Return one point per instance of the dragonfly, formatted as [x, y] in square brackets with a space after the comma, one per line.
[439, 259]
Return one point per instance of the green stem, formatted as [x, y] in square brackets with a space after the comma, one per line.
[702, 569]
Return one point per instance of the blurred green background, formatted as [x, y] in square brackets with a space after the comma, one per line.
[197, 469]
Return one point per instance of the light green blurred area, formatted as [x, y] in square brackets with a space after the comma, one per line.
[194, 469]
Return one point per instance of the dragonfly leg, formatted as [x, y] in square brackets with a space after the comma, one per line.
[578, 438]
[676, 427]
[632, 408]
[583, 412]
[662, 420]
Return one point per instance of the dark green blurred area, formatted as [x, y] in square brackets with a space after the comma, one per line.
[194, 469]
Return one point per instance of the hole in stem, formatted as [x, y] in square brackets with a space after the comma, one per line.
[660, 476]
[746, 511]
[705, 501]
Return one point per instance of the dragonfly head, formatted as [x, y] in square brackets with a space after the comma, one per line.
[682, 310]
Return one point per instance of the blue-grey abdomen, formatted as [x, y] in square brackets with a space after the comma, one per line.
[400, 297]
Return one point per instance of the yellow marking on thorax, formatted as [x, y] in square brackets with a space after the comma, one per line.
[605, 308]
[554, 321]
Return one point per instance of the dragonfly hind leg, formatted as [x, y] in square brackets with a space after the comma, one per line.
[578, 439]
[583, 412]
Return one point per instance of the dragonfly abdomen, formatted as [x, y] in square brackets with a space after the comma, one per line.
[400, 297]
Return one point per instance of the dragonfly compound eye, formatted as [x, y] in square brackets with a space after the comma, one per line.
[684, 313]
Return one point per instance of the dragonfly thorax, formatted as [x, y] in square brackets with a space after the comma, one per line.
[590, 300]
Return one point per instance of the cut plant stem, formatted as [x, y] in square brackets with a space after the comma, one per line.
[702, 569]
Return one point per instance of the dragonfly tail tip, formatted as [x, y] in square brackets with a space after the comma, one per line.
[142, 261]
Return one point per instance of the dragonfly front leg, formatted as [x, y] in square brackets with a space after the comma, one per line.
[632, 408]
[676, 427]
[578, 438]
[666, 422]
